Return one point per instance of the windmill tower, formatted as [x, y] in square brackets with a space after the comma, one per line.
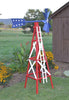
[37, 53]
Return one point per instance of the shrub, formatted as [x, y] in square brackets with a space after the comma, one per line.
[5, 74]
[50, 59]
[20, 58]
[50, 56]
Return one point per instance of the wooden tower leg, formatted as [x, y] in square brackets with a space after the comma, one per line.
[51, 82]
[39, 73]
[50, 75]
[48, 69]
[37, 50]
[37, 77]
[28, 61]
[26, 75]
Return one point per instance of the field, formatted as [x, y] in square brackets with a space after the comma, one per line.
[10, 39]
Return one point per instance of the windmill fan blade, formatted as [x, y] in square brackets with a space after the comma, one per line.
[18, 22]
[46, 10]
[45, 14]
[46, 27]
[48, 13]
[46, 21]
[49, 25]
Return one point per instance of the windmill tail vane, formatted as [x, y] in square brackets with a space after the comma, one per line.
[22, 22]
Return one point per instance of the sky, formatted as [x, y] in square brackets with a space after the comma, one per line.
[18, 8]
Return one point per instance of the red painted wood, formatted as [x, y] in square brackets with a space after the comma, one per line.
[37, 72]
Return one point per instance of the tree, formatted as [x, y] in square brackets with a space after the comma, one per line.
[33, 14]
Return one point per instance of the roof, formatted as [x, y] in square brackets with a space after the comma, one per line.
[60, 9]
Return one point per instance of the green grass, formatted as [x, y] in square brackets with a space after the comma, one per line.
[18, 92]
[9, 40]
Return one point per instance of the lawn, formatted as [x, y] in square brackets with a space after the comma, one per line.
[10, 39]
[18, 92]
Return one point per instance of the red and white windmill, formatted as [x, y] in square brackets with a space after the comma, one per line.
[41, 71]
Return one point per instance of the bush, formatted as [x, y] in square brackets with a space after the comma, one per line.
[26, 32]
[50, 59]
[5, 74]
[20, 59]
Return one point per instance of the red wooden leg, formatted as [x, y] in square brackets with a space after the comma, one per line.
[26, 75]
[37, 77]
[36, 86]
[51, 82]
[39, 74]
[25, 82]
[48, 68]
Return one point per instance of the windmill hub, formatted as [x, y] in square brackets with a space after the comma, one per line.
[47, 20]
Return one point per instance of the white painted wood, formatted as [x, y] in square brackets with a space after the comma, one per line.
[40, 55]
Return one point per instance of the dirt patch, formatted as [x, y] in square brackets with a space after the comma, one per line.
[57, 73]
[16, 78]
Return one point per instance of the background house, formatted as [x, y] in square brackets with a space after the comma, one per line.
[61, 33]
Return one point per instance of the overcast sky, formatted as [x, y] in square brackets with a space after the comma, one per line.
[18, 8]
